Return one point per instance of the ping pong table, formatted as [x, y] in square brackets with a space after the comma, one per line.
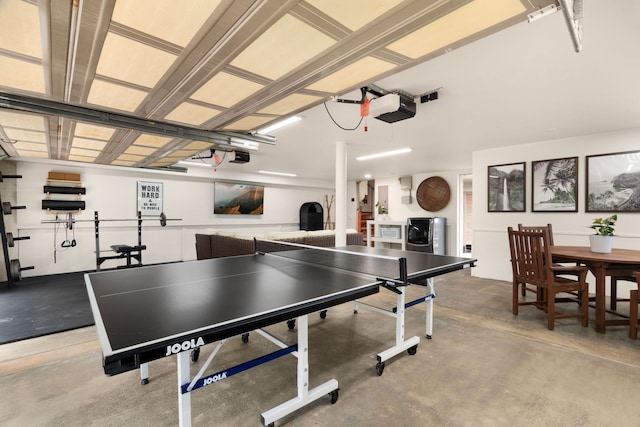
[152, 312]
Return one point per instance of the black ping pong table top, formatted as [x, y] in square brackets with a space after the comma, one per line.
[141, 312]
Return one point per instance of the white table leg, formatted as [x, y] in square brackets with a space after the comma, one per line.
[184, 377]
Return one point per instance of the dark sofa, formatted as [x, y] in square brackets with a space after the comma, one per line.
[223, 244]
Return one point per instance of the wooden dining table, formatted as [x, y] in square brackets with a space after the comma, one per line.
[618, 263]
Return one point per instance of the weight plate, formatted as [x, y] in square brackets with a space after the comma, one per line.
[15, 270]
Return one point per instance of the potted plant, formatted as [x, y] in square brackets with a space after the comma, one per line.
[602, 240]
[382, 211]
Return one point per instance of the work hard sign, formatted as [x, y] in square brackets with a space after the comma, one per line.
[149, 198]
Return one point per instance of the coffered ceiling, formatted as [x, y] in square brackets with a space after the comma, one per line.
[210, 65]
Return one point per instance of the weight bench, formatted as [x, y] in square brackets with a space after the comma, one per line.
[125, 251]
[128, 252]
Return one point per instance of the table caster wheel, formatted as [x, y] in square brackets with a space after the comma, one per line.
[144, 381]
[195, 354]
[323, 314]
[245, 338]
[334, 396]
[380, 368]
[428, 337]
[412, 350]
[291, 324]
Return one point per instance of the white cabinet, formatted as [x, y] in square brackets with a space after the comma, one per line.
[387, 232]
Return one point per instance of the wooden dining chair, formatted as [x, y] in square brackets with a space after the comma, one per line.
[549, 228]
[634, 298]
[613, 291]
[531, 265]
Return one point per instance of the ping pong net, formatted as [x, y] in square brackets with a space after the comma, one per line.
[392, 271]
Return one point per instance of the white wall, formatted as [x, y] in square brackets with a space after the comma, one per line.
[112, 192]
[490, 242]
[400, 212]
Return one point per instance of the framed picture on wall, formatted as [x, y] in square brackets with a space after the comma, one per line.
[554, 185]
[149, 198]
[231, 198]
[613, 182]
[506, 192]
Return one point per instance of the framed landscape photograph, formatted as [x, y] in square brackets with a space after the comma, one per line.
[554, 185]
[238, 199]
[613, 182]
[506, 192]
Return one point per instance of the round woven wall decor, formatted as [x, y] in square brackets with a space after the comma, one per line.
[433, 194]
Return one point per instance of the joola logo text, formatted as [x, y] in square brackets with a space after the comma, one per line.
[214, 378]
[184, 346]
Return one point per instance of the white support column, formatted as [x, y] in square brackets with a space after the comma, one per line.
[341, 193]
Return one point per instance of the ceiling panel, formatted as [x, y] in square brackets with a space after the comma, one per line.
[352, 74]
[354, 14]
[458, 25]
[225, 90]
[140, 150]
[82, 152]
[133, 62]
[92, 131]
[22, 75]
[283, 47]
[20, 35]
[250, 122]
[10, 119]
[148, 140]
[91, 144]
[290, 103]
[174, 21]
[24, 146]
[26, 135]
[115, 96]
[198, 146]
[192, 114]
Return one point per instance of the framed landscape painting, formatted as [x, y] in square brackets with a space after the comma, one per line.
[554, 185]
[506, 192]
[613, 182]
[238, 199]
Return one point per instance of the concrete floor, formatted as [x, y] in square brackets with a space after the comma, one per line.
[483, 367]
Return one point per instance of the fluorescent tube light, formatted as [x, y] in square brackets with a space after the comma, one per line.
[384, 154]
[278, 173]
[279, 125]
[196, 164]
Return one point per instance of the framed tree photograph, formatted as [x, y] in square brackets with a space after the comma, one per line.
[554, 185]
[613, 182]
[506, 192]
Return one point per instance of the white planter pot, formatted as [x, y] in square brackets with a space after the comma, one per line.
[601, 244]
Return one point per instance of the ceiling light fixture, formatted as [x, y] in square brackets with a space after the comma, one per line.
[278, 173]
[280, 124]
[384, 154]
[200, 164]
